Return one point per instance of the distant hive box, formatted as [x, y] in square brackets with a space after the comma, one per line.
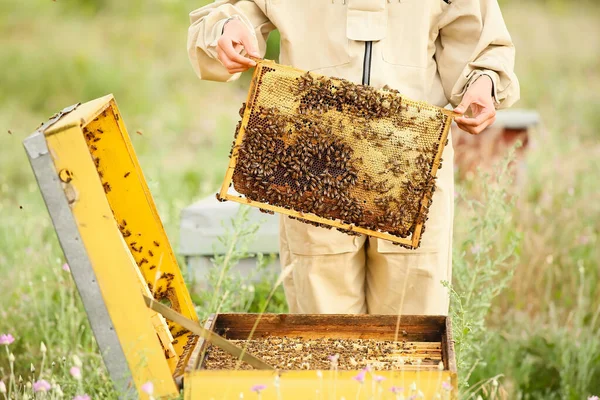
[204, 222]
[330, 152]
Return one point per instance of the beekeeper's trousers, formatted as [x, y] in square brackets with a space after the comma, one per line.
[335, 273]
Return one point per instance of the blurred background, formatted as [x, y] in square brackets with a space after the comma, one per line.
[526, 302]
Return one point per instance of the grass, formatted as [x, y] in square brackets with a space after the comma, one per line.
[541, 333]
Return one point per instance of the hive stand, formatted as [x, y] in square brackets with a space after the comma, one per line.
[114, 241]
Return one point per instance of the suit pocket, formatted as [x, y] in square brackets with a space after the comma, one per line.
[407, 42]
[313, 33]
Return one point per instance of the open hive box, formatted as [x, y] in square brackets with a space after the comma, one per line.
[113, 239]
[336, 154]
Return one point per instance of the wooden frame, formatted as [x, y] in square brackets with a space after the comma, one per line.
[413, 242]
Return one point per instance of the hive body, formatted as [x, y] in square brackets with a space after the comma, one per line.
[341, 155]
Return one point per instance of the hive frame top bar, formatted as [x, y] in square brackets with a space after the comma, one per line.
[412, 241]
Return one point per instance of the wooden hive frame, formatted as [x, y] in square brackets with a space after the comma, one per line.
[107, 225]
[410, 242]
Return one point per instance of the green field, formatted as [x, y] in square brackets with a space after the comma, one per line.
[527, 302]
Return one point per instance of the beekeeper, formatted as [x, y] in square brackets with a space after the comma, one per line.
[445, 52]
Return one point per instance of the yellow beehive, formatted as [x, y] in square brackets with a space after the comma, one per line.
[118, 251]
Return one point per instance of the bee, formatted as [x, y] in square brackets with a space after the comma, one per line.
[126, 174]
[152, 267]
[127, 233]
[96, 139]
[150, 253]
[156, 243]
[94, 148]
[100, 130]
[107, 187]
[142, 262]
[116, 116]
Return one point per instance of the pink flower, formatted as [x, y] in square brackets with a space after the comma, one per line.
[148, 388]
[593, 398]
[360, 378]
[82, 397]
[41, 386]
[2, 387]
[258, 388]
[396, 389]
[65, 267]
[475, 249]
[378, 378]
[6, 339]
[446, 386]
[75, 372]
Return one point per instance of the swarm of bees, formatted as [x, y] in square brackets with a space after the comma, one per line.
[338, 150]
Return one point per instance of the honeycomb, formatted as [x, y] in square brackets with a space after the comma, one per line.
[353, 155]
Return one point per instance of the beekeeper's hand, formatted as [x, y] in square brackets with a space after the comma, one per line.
[479, 99]
[235, 38]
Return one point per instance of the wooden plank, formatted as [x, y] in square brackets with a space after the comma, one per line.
[212, 337]
[412, 328]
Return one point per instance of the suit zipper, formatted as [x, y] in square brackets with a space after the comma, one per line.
[366, 78]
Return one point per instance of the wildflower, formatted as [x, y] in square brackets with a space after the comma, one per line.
[58, 390]
[148, 388]
[378, 378]
[82, 397]
[593, 398]
[360, 378]
[66, 267]
[446, 386]
[258, 388]
[2, 387]
[6, 339]
[396, 389]
[475, 249]
[41, 386]
[43, 348]
[75, 373]
[32, 367]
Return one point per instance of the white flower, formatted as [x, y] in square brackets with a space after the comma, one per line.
[2, 387]
[43, 348]
[77, 361]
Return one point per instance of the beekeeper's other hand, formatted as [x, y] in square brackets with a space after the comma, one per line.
[479, 99]
[236, 37]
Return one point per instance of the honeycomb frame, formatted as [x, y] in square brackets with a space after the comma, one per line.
[270, 168]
